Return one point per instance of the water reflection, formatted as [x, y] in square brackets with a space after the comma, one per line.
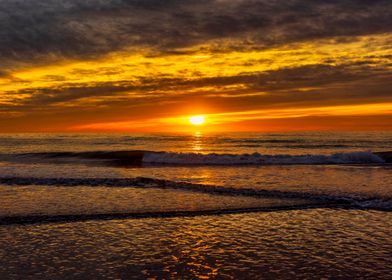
[192, 256]
[197, 142]
[273, 245]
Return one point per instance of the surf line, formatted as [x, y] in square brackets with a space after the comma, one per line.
[46, 219]
[145, 182]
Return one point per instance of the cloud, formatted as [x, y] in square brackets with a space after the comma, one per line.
[310, 84]
[32, 31]
[104, 60]
[3, 73]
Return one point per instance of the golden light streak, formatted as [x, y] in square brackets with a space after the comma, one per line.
[343, 110]
[218, 119]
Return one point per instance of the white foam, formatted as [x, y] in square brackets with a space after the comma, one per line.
[258, 159]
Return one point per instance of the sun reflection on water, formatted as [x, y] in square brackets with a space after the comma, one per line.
[197, 142]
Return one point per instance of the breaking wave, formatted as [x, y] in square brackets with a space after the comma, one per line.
[259, 159]
[138, 158]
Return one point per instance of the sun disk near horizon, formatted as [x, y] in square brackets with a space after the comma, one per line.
[197, 120]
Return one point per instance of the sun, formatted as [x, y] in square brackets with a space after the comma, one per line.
[197, 120]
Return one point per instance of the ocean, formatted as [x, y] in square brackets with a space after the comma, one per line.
[306, 205]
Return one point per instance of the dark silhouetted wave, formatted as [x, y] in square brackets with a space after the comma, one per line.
[139, 158]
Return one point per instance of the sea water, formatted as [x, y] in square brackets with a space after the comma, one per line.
[219, 206]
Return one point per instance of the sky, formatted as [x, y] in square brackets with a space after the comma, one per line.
[147, 65]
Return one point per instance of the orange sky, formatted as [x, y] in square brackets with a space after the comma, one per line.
[100, 76]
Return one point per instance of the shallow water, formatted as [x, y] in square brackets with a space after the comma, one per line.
[22, 201]
[306, 244]
[366, 185]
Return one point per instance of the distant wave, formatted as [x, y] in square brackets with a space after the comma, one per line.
[120, 158]
[138, 158]
[353, 200]
[258, 159]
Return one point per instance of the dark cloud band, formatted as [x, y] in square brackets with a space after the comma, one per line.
[41, 30]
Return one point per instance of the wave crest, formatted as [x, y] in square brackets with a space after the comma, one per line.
[258, 159]
[138, 158]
